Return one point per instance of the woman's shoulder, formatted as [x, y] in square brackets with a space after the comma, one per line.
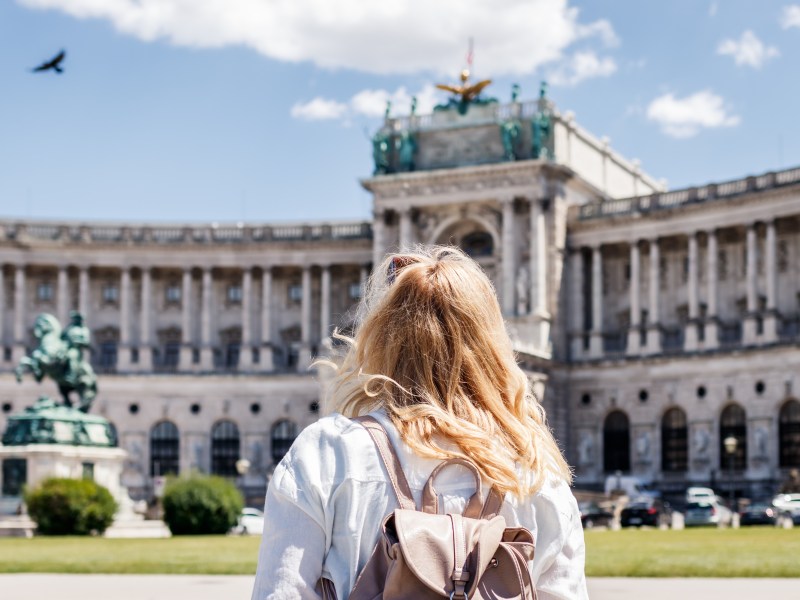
[327, 450]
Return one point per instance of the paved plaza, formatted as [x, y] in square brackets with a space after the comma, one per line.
[208, 587]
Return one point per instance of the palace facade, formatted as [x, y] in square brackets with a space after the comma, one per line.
[654, 324]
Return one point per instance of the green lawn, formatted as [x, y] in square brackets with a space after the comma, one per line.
[750, 552]
[746, 552]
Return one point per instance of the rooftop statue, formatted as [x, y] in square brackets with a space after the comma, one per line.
[542, 127]
[59, 356]
[464, 94]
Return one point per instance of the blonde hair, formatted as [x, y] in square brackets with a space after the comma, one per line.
[431, 348]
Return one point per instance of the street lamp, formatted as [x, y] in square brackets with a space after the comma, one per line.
[242, 467]
[730, 444]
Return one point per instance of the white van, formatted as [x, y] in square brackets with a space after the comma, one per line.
[700, 494]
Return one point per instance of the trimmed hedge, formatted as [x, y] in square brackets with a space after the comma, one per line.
[201, 504]
[61, 506]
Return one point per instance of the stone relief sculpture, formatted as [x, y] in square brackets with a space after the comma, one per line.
[643, 445]
[700, 440]
[761, 436]
[586, 448]
[523, 290]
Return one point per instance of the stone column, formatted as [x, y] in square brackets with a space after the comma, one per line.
[406, 229]
[187, 338]
[83, 292]
[596, 339]
[206, 349]
[62, 295]
[770, 334]
[634, 332]
[145, 339]
[508, 259]
[749, 326]
[654, 326]
[267, 362]
[577, 300]
[246, 353]
[325, 301]
[20, 317]
[378, 237]
[363, 277]
[711, 329]
[690, 335]
[304, 359]
[124, 353]
[539, 275]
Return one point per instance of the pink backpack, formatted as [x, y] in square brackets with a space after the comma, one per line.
[423, 555]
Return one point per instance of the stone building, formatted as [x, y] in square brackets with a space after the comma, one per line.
[654, 324]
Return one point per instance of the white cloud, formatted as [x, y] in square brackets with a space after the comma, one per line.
[582, 65]
[685, 117]
[319, 109]
[748, 50]
[790, 16]
[368, 103]
[411, 36]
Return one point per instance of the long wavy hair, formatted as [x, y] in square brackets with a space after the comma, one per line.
[431, 348]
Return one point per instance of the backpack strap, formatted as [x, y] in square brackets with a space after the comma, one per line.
[390, 460]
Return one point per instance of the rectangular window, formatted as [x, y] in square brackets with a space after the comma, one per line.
[295, 292]
[173, 294]
[110, 293]
[234, 294]
[172, 353]
[355, 291]
[44, 291]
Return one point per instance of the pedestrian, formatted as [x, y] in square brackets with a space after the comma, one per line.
[431, 361]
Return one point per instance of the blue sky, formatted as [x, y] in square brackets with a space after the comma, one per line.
[260, 110]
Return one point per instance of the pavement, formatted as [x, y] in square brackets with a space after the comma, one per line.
[222, 587]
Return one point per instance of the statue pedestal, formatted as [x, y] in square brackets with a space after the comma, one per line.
[27, 465]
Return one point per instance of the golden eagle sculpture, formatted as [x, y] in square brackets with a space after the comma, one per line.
[467, 92]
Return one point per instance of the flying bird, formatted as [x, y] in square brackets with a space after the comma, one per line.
[54, 64]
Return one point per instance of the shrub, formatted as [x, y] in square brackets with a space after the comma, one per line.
[70, 507]
[201, 504]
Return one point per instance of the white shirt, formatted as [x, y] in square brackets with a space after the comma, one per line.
[329, 495]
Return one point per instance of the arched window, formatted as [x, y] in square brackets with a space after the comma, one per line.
[283, 434]
[733, 422]
[164, 449]
[479, 243]
[224, 448]
[616, 442]
[789, 434]
[674, 442]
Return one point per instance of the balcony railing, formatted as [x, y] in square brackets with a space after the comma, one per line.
[693, 195]
[171, 234]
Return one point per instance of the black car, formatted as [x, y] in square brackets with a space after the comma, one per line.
[646, 511]
[594, 516]
[759, 513]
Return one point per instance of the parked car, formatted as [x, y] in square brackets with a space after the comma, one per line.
[789, 504]
[251, 522]
[759, 513]
[707, 512]
[594, 516]
[652, 512]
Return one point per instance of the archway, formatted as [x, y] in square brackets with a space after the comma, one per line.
[164, 449]
[733, 423]
[225, 448]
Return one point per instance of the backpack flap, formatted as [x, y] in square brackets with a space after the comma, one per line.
[444, 550]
